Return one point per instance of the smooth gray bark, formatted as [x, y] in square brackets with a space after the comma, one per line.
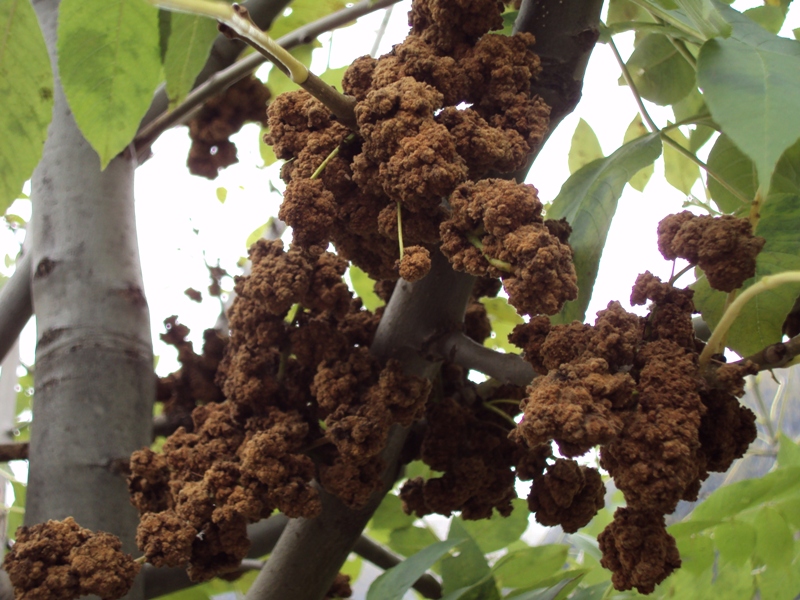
[95, 383]
[15, 304]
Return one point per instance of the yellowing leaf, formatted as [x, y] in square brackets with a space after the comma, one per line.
[109, 62]
[26, 86]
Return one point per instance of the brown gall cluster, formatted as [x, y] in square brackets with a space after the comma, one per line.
[291, 409]
[60, 560]
[632, 386]
[449, 105]
[221, 117]
[724, 247]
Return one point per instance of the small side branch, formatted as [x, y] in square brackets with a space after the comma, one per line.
[775, 356]
[13, 451]
[462, 350]
[427, 585]
[16, 306]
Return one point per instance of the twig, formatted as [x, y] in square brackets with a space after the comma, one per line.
[16, 306]
[427, 585]
[381, 31]
[462, 350]
[13, 451]
[774, 356]
[400, 229]
[237, 71]
[766, 283]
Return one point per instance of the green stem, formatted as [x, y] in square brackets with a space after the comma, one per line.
[504, 401]
[732, 312]
[334, 153]
[683, 51]
[665, 16]
[499, 412]
[678, 275]
[626, 75]
[400, 229]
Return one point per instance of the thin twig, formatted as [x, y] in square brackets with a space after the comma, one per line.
[381, 31]
[16, 306]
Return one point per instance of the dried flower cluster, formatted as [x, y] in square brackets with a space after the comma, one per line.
[287, 397]
[632, 386]
[60, 560]
[449, 106]
[724, 247]
[220, 118]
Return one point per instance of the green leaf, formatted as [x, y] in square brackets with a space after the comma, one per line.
[395, 582]
[503, 318]
[660, 73]
[779, 582]
[735, 541]
[774, 541]
[692, 104]
[188, 45]
[222, 194]
[634, 131]
[109, 61]
[624, 11]
[680, 171]
[585, 147]
[364, 287]
[770, 18]
[730, 500]
[467, 571]
[732, 583]
[788, 451]
[705, 17]
[751, 91]
[594, 592]
[559, 586]
[526, 567]
[499, 531]
[390, 515]
[697, 553]
[16, 515]
[588, 200]
[258, 233]
[509, 18]
[410, 540]
[26, 86]
[727, 161]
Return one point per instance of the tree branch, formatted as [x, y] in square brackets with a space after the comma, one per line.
[566, 32]
[16, 306]
[156, 123]
[775, 356]
[13, 451]
[463, 350]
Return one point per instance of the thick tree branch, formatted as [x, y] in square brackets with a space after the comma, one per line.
[155, 123]
[566, 32]
[462, 350]
[15, 304]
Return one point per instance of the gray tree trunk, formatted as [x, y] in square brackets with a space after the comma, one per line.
[94, 361]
